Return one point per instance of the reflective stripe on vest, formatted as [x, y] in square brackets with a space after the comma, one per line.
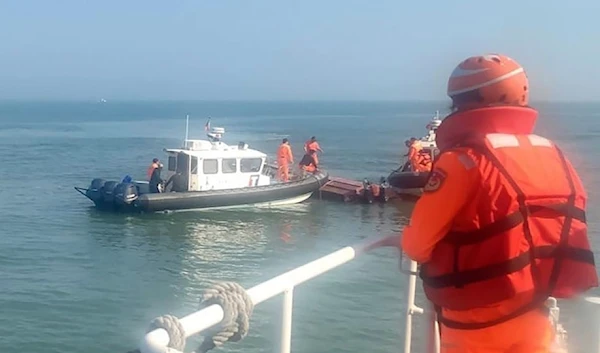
[455, 279]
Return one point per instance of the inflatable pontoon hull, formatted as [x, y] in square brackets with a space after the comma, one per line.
[408, 179]
[132, 197]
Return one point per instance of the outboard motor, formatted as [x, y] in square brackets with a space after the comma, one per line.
[94, 192]
[108, 191]
[125, 193]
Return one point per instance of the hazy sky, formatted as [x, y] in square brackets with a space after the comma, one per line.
[277, 49]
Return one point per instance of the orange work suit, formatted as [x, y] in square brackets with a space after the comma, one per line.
[464, 222]
[311, 147]
[284, 158]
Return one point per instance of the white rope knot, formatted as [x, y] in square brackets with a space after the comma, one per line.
[173, 326]
[237, 309]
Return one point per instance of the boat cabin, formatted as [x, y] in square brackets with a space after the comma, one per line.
[432, 126]
[428, 142]
[213, 165]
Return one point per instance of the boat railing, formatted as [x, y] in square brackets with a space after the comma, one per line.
[227, 308]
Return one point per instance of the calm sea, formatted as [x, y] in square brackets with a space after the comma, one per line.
[76, 280]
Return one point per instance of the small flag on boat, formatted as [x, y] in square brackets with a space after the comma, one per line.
[207, 125]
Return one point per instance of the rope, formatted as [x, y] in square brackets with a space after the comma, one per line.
[237, 308]
[173, 326]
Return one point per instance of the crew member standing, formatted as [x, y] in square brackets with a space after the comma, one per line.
[284, 158]
[155, 179]
[311, 147]
[509, 228]
[153, 165]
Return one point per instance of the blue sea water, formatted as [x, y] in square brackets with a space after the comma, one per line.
[73, 279]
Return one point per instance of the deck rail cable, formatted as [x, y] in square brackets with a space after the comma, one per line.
[226, 308]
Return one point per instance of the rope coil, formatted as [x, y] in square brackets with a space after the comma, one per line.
[173, 326]
[237, 309]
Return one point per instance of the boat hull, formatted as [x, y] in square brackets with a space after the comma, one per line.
[267, 204]
[257, 196]
[408, 179]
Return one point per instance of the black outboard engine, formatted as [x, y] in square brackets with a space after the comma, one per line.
[108, 191]
[125, 194]
[94, 192]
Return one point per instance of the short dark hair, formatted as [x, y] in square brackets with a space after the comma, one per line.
[155, 160]
[285, 140]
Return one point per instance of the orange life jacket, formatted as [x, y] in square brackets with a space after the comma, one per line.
[311, 146]
[528, 237]
[151, 169]
[424, 161]
[309, 168]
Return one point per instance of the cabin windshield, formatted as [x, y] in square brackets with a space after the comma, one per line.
[251, 165]
[210, 166]
[172, 163]
[229, 165]
[183, 163]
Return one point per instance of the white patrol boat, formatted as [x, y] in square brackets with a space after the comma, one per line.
[403, 180]
[206, 174]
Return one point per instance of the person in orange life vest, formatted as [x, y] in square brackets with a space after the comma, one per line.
[311, 147]
[425, 162]
[155, 164]
[308, 163]
[505, 236]
[422, 159]
[284, 158]
[418, 159]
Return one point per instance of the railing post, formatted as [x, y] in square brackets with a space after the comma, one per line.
[594, 309]
[437, 338]
[286, 321]
[433, 332]
[411, 308]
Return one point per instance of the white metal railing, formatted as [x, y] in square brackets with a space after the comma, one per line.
[157, 340]
[412, 309]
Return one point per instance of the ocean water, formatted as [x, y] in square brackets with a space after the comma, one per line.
[74, 279]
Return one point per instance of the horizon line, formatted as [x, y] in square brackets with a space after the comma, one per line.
[299, 100]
